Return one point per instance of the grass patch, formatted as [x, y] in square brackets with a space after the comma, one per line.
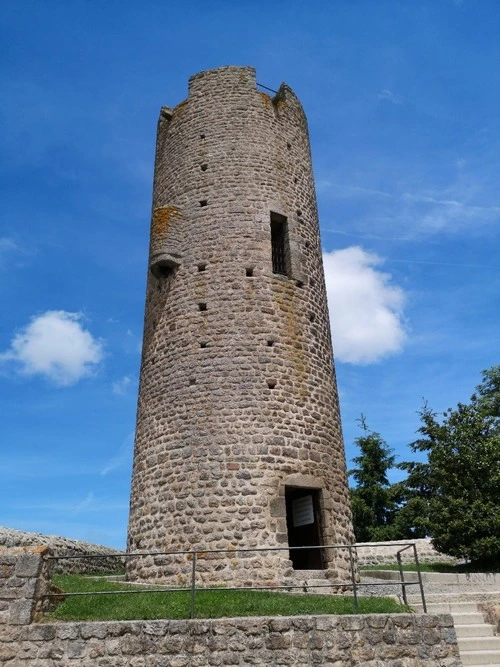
[434, 567]
[209, 604]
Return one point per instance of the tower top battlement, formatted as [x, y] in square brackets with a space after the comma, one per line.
[220, 82]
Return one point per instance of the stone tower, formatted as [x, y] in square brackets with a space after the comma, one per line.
[238, 440]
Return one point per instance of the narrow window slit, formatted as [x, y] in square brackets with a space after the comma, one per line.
[312, 317]
[249, 271]
[202, 306]
[270, 342]
[192, 381]
[202, 136]
[203, 202]
[289, 145]
[280, 244]
[202, 266]
[204, 167]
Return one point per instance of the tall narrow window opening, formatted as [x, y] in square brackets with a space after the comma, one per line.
[280, 244]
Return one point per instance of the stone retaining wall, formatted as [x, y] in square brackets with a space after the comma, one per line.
[397, 640]
[63, 546]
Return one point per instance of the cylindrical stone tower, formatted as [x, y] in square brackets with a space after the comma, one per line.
[238, 440]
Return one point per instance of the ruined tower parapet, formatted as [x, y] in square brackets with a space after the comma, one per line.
[238, 416]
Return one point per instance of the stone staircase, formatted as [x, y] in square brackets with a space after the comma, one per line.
[312, 581]
[476, 640]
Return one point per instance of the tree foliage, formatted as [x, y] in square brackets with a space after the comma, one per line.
[488, 392]
[453, 496]
[458, 488]
[372, 503]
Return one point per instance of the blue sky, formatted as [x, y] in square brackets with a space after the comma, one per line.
[402, 98]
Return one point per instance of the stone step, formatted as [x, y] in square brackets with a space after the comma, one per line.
[470, 618]
[447, 607]
[480, 658]
[474, 630]
[308, 575]
[459, 596]
[490, 581]
[479, 644]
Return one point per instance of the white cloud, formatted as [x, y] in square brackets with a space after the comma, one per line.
[365, 308]
[120, 386]
[56, 346]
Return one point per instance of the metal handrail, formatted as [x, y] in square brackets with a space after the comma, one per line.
[196, 554]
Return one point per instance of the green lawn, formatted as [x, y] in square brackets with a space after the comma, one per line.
[209, 604]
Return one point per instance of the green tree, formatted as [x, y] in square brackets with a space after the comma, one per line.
[456, 493]
[372, 503]
[488, 392]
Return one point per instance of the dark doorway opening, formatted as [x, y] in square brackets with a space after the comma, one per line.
[303, 520]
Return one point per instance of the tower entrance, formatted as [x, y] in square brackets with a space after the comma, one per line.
[304, 526]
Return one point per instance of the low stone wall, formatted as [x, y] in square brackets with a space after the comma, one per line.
[380, 553]
[62, 546]
[24, 579]
[397, 640]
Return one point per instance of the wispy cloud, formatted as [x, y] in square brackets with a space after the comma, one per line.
[366, 308]
[122, 458]
[56, 346]
[120, 386]
[348, 191]
[7, 248]
[24, 466]
[447, 210]
[389, 96]
[90, 503]
[464, 206]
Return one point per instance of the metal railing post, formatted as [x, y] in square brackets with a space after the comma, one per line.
[402, 577]
[353, 579]
[192, 612]
[420, 582]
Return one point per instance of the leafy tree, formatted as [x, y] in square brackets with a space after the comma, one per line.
[455, 496]
[372, 503]
[488, 392]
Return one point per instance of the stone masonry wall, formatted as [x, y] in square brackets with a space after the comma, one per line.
[381, 553]
[399, 640]
[24, 579]
[237, 396]
[63, 546]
